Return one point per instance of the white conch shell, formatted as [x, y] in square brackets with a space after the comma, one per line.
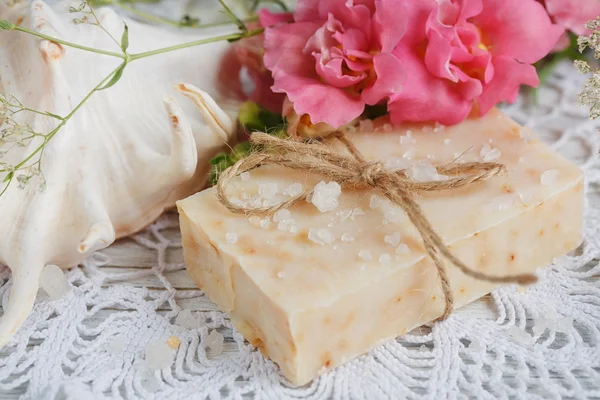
[120, 161]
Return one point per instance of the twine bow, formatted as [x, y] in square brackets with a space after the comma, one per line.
[352, 170]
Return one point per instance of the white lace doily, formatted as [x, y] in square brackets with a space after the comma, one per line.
[89, 344]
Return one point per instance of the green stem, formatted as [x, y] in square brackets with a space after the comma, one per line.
[63, 42]
[143, 14]
[230, 37]
[67, 118]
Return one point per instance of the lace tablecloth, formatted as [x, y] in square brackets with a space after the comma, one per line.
[90, 343]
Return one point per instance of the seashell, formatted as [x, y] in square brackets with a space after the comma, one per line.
[124, 157]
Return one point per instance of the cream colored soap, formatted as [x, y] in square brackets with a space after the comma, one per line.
[314, 289]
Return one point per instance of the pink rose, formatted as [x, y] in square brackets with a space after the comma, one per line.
[573, 14]
[337, 56]
[459, 53]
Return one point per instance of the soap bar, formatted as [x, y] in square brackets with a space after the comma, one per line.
[330, 278]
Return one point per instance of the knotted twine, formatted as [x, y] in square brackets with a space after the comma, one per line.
[353, 171]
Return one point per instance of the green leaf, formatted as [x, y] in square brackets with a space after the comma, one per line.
[254, 117]
[125, 39]
[5, 25]
[118, 74]
[8, 177]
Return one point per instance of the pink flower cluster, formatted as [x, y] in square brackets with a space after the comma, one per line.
[427, 60]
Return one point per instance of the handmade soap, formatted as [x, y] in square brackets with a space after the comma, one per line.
[330, 278]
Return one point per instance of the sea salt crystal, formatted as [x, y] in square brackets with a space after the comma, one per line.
[408, 138]
[245, 176]
[286, 225]
[320, 236]
[424, 171]
[521, 160]
[214, 342]
[280, 274]
[549, 177]
[293, 229]
[186, 320]
[489, 154]
[527, 135]
[325, 196]
[265, 222]
[521, 336]
[402, 249]
[117, 345]
[357, 212]
[344, 214]
[447, 141]
[476, 345]
[268, 190]
[376, 201]
[294, 190]
[393, 239]
[365, 255]
[254, 220]
[501, 203]
[158, 355]
[231, 237]
[397, 164]
[282, 215]
[423, 348]
[346, 237]
[409, 154]
[439, 127]
[54, 282]
[387, 127]
[385, 258]
[150, 382]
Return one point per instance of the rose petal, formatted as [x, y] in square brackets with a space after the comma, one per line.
[284, 46]
[307, 10]
[508, 75]
[526, 35]
[391, 76]
[321, 102]
[390, 26]
[573, 14]
[267, 18]
[425, 97]
[332, 74]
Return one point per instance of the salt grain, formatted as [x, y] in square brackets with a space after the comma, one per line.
[375, 202]
[245, 176]
[268, 190]
[214, 342]
[254, 220]
[489, 154]
[409, 154]
[527, 135]
[150, 382]
[265, 222]
[357, 212]
[186, 320]
[393, 239]
[397, 164]
[158, 355]
[387, 127]
[402, 249]
[294, 190]
[521, 336]
[325, 196]
[424, 171]
[231, 237]
[286, 225]
[549, 177]
[117, 345]
[476, 346]
[320, 236]
[344, 214]
[385, 258]
[365, 255]
[407, 139]
[282, 215]
[280, 274]
[346, 237]
[54, 282]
